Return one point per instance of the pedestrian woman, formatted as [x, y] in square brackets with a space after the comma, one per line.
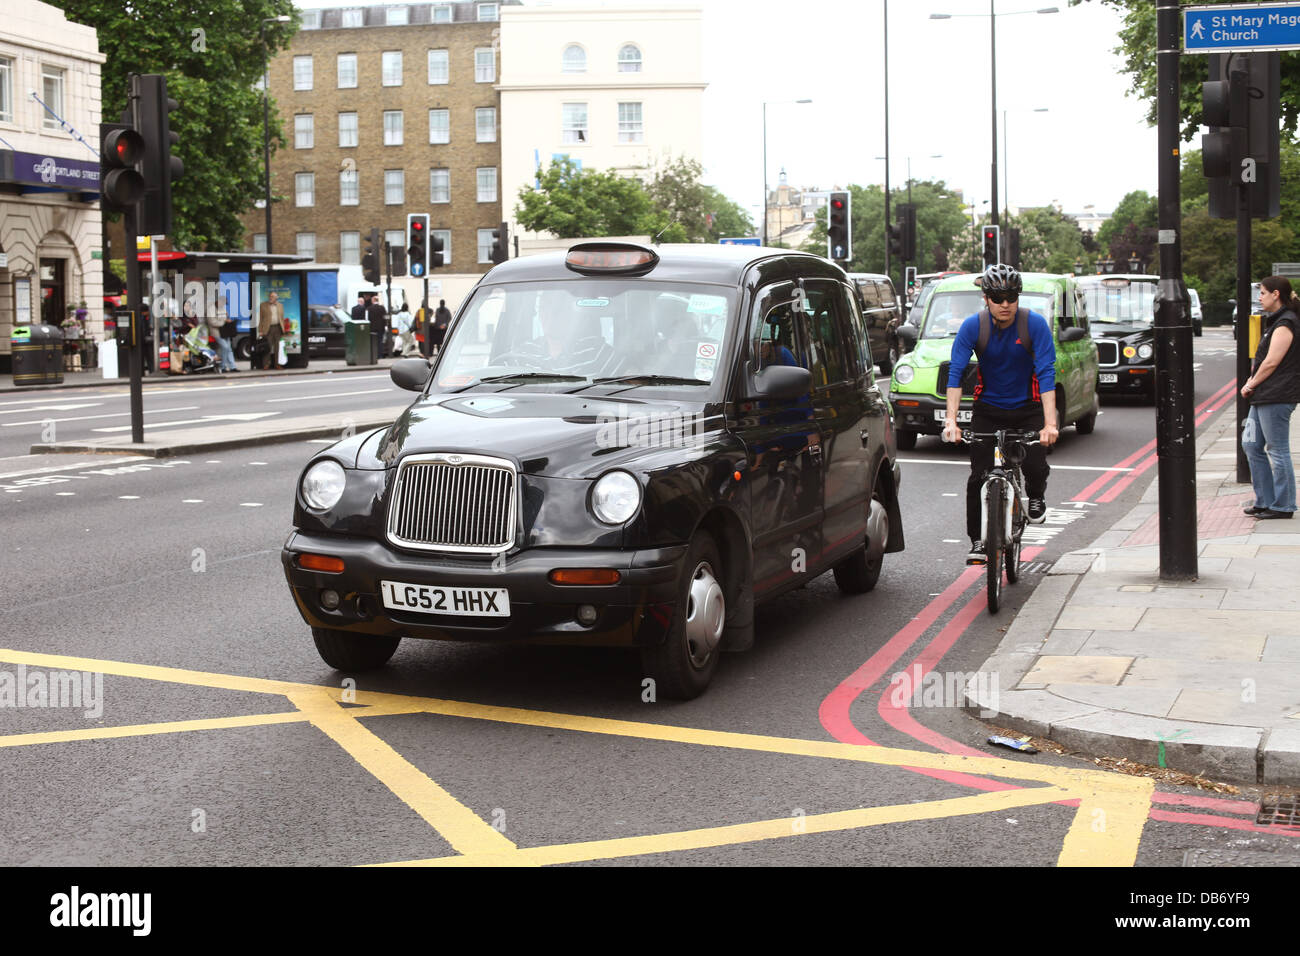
[1273, 389]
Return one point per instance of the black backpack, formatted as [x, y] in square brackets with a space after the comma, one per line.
[1022, 333]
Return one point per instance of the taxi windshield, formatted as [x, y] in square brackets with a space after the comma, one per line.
[1130, 301]
[948, 310]
[635, 331]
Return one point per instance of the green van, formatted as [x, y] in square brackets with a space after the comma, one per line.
[919, 384]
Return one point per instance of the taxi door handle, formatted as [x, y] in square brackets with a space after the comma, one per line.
[815, 452]
[865, 436]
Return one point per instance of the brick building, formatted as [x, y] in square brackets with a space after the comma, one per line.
[387, 110]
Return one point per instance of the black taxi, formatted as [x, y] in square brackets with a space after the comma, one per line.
[617, 444]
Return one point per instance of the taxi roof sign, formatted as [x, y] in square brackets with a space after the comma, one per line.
[599, 258]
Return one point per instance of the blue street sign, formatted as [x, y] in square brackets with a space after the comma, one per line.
[1241, 27]
[741, 241]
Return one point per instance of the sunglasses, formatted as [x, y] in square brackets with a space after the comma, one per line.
[997, 298]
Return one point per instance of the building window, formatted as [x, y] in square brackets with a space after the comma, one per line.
[392, 68]
[629, 58]
[310, 20]
[352, 18]
[439, 185]
[488, 11]
[52, 94]
[574, 59]
[259, 242]
[304, 189]
[304, 131]
[350, 248]
[487, 184]
[439, 126]
[349, 188]
[485, 65]
[439, 67]
[392, 127]
[629, 123]
[347, 71]
[307, 245]
[398, 17]
[485, 241]
[347, 129]
[302, 73]
[394, 187]
[442, 13]
[396, 238]
[6, 90]
[574, 123]
[485, 124]
[445, 236]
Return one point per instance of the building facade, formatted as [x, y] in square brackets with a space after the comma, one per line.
[49, 181]
[616, 88]
[387, 110]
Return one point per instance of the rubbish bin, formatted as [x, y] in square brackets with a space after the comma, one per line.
[358, 344]
[37, 355]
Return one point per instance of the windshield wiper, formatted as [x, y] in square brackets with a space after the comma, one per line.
[553, 376]
[650, 380]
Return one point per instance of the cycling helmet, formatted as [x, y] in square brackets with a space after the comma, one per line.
[1001, 278]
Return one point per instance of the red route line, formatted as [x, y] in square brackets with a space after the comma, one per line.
[1206, 820]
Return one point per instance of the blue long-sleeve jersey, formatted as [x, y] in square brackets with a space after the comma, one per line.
[1008, 379]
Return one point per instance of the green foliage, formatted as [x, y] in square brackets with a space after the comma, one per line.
[1138, 48]
[572, 203]
[211, 54]
[1138, 209]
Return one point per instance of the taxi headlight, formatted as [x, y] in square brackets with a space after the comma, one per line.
[1145, 351]
[904, 374]
[322, 485]
[615, 497]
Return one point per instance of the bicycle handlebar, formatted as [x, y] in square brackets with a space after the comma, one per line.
[1027, 436]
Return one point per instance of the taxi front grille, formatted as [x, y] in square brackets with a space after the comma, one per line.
[968, 380]
[1107, 353]
[459, 503]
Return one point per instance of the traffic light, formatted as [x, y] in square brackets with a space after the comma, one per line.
[395, 261]
[991, 245]
[839, 227]
[1013, 248]
[500, 244]
[909, 281]
[894, 232]
[120, 183]
[417, 243]
[907, 239]
[435, 252]
[158, 166]
[1241, 104]
[370, 258]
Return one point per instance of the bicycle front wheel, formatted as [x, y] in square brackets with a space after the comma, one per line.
[993, 547]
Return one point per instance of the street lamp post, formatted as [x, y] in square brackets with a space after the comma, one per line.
[765, 103]
[266, 122]
[993, 81]
[1006, 156]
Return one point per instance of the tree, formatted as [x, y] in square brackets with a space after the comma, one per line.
[704, 214]
[1064, 242]
[1138, 209]
[1138, 48]
[211, 59]
[571, 203]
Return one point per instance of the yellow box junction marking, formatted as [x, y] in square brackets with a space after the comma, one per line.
[1106, 829]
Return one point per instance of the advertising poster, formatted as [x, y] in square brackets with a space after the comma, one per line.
[286, 288]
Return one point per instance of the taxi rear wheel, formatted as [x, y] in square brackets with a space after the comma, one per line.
[346, 651]
[683, 665]
[858, 573]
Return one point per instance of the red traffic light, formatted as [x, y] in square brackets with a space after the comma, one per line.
[837, 203]
[990, 234]
[416, 225]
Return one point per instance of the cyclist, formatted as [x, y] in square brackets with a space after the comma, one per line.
[1016, 388]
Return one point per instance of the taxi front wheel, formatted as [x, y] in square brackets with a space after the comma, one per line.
[345, 651]
[683, 665]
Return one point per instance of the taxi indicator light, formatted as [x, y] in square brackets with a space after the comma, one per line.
[320, 562]
[585, 576]
[596, 258]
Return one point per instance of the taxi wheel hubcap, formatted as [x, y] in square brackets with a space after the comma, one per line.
[706, 608]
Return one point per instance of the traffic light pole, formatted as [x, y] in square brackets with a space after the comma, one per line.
[1175, 420]
[1243, 322]
[135, 303]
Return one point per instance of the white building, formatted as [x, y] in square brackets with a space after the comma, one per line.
[612, 88]
[49, 182]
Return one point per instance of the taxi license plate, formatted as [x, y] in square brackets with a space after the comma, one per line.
[1108, 378]
[941, 415]
[428, 599]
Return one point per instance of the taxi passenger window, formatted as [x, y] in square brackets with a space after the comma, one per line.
[855, 337]
[824, 347]
[773, 334]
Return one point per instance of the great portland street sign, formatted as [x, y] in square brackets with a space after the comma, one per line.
[1241, 27]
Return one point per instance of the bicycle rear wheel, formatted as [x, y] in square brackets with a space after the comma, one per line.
[993, 546]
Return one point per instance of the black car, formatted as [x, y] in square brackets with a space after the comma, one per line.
[620, 444]
[325, 336]
[881, 314]
[1121, 315]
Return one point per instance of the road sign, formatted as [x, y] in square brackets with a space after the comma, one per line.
[741, 241]
[1241, 27]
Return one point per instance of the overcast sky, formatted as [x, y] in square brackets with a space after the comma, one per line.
[1091, 148]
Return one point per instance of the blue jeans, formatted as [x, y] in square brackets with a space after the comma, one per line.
[1266, 440]
[227, 355]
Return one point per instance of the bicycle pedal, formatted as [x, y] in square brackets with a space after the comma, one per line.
[976, 562]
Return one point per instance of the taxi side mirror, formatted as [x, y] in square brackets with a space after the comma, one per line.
[780, 382]
[1072, 334]
[907, 335]
[411, 374]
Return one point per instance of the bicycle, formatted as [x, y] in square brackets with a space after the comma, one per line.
[1004, 506]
